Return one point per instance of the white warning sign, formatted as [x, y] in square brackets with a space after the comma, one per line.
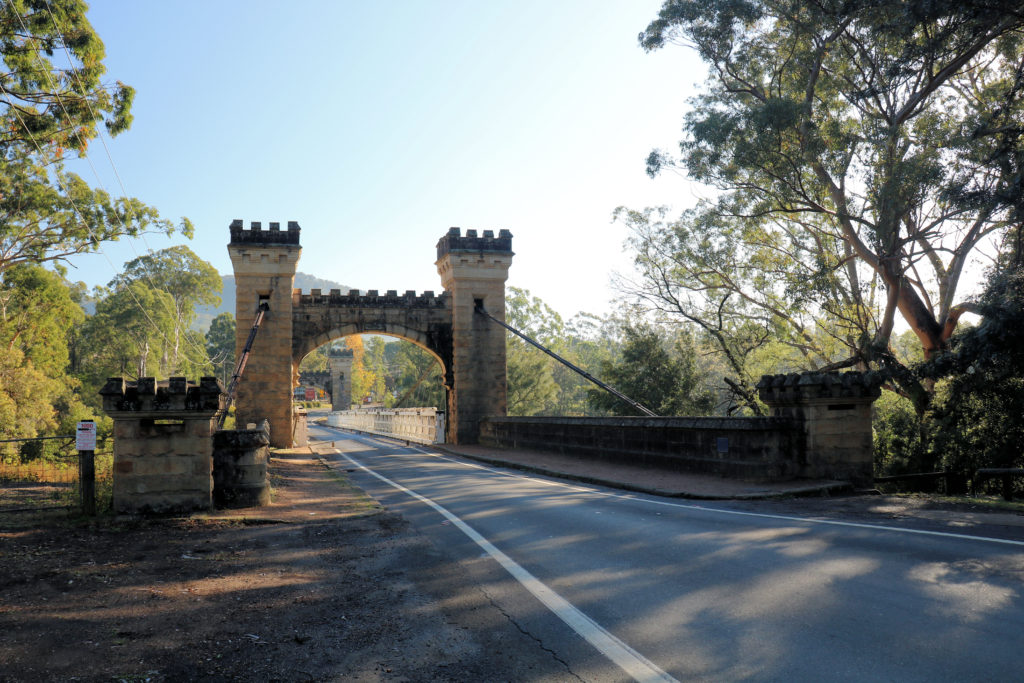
[85, 436]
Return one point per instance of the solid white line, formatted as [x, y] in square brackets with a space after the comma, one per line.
[762, 515]
[626, 658]
[738, 513]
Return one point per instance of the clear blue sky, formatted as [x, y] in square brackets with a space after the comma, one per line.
[377, 126]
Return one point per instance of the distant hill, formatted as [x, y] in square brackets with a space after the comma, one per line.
[303, 281]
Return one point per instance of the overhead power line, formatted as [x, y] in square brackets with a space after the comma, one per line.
[124, 192]
[203, 355]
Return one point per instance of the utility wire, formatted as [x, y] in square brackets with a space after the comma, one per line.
[78, 211]
[203, 354]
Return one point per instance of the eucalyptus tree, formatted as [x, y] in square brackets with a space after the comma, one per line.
[128, 335]
[531, 387]
[220, 346]
[859, 151]
[38, 312]
[188, 280]
[52, 102]
[656, 369]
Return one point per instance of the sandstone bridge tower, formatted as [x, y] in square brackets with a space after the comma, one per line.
[471, 349]
[264, 262]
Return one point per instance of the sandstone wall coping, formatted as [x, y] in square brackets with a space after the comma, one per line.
[737, 424]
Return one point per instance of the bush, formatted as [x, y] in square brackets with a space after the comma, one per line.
[979, 414]
[901, 441]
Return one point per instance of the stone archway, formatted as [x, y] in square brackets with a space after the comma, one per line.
[473, 269]
[340, 363]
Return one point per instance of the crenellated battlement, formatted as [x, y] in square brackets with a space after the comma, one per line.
[257, 235]
[163, 442]
[147, 395]
[370, 299]
[454, 241]
[802, 387]
[834, 414]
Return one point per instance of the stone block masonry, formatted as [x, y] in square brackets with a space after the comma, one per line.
[471, 350]
[820, 428]
[240, 458]
[473, 270]
[834, 411]
[341, 379]
[163, 443]
[264, 263]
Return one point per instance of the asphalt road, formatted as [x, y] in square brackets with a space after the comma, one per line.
[623, 586]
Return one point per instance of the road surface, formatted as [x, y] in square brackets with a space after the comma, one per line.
[622, 586]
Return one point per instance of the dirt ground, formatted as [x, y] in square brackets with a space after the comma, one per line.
[322, 585]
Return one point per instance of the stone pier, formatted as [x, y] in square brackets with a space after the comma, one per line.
[341, 379]
[834, 412]
[163, 443]
[473, 270]
[264, 263]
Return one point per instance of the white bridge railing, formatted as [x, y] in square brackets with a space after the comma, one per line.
[422, 425]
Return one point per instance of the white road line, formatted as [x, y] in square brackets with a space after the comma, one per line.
[738, 513]
[626, 658]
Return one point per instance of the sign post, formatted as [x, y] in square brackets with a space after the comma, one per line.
[85, 442]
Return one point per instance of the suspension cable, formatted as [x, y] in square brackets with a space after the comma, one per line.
[242, 360]
[586, 375]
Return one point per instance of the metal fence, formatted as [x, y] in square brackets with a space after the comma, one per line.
[44, 474]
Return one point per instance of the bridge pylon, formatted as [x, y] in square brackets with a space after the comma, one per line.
[473, 270]
[340, 364]
[471, 349]
[264, 263]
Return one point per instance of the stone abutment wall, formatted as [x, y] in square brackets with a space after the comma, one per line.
[820, 428]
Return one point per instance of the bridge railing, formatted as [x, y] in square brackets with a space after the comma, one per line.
[422, 425]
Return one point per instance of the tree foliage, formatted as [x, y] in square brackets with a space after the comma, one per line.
[128, 335]
[52, 104]
[52, 100]
[47, 101]
[980, 415]
[188, 280]
[530, 383]
[220, 346]
[413, 377]
[37, 315]
[860, 153]
[657, 371]
[37, 312]
[367, 381]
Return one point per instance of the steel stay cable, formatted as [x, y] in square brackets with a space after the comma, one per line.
[242, 360]
[586, 375]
